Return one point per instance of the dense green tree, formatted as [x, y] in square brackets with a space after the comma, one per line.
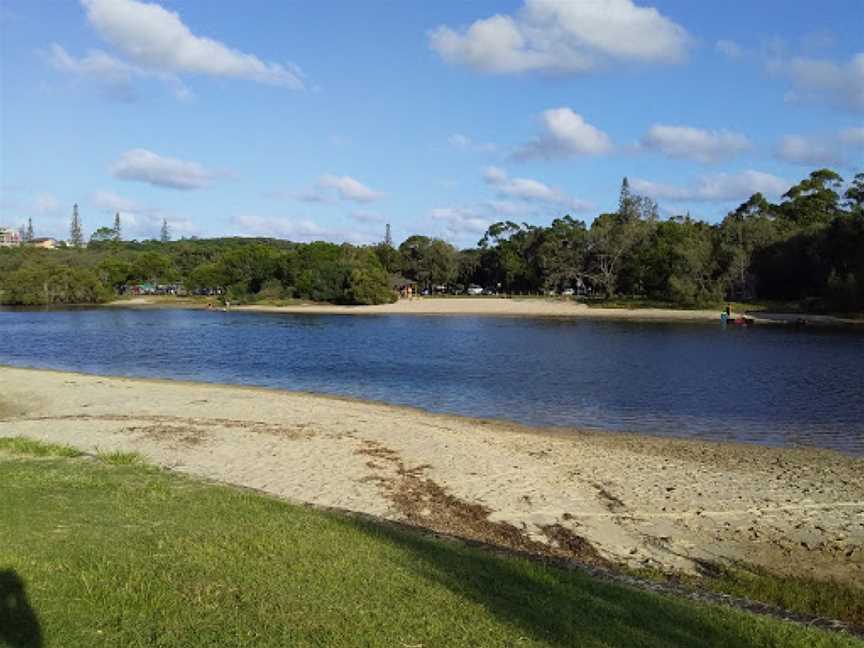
[610, 240]
[115, 272]
[164, 232]
[563, 252]
[388, 256]
[366, 280]
[854, 196]
[428, 261]
[50, 283]
[752, 226]
[813, 201]
[103, 235]
[153, 267]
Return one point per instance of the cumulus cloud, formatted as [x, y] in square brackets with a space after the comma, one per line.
[729, 49]
[142, 165]
[839, 84]
[718, 187]
[810, 150]
[298, 229]
[347, 188]
[694, 143]
[530, 190]
[565, 37]
[566, 133]
[464, 143]
[113, 75]
[157, 39]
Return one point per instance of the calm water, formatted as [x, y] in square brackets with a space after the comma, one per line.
[764, 385]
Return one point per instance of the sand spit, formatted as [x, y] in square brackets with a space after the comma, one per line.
[600, 498]
[496, 306]
[524, 307]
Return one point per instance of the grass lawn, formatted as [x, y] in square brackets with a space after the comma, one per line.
[111, 552]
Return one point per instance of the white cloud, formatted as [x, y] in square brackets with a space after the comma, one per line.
[298, 229]
[839, 84]
[157, 39]
[530, 190]
[461, 223]
[729, 49]
[464, 143]
[694, 143]
[145, 166]
[811, 150]
[563, 36]
[139, 221]
[347, 188]
[566, 134]
[719, 187]
[114, 76]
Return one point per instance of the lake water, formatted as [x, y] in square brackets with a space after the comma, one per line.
[765, 385]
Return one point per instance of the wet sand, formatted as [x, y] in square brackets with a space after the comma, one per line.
[602, 498]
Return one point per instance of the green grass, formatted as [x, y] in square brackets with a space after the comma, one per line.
[638, 302]
[119, 458]
[128, 555]
[819, 598]
[24, 446]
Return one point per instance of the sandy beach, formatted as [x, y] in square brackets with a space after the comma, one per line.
[601, 498]
[495, 306]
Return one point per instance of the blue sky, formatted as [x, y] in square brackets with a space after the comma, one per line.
[326, 120]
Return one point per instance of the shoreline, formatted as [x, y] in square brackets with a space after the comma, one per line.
[502, 425]
[499, 307]
[640, 501]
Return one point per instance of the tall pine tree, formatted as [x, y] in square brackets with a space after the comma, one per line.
[165, 234]
[117, 233]
[76, 237]
[28, 235]
[627, 203]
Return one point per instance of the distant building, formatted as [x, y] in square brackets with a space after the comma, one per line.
[9, 237]
[45, 243]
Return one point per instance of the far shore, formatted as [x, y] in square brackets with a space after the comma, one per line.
[502, 307]
[636, 500]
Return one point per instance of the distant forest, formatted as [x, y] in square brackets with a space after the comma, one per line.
[808, 249]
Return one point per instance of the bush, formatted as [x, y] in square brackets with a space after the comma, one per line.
[844, 292]
[37, 284]
[271, 289]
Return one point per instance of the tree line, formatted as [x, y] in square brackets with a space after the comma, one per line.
[807, 248]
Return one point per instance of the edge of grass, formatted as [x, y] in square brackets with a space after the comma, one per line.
[21, 445]
[748, 583]
[823, 599]
[119, 458]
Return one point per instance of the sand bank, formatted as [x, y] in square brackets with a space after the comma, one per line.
[497, 306]
[516, 307]
[640, 501]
